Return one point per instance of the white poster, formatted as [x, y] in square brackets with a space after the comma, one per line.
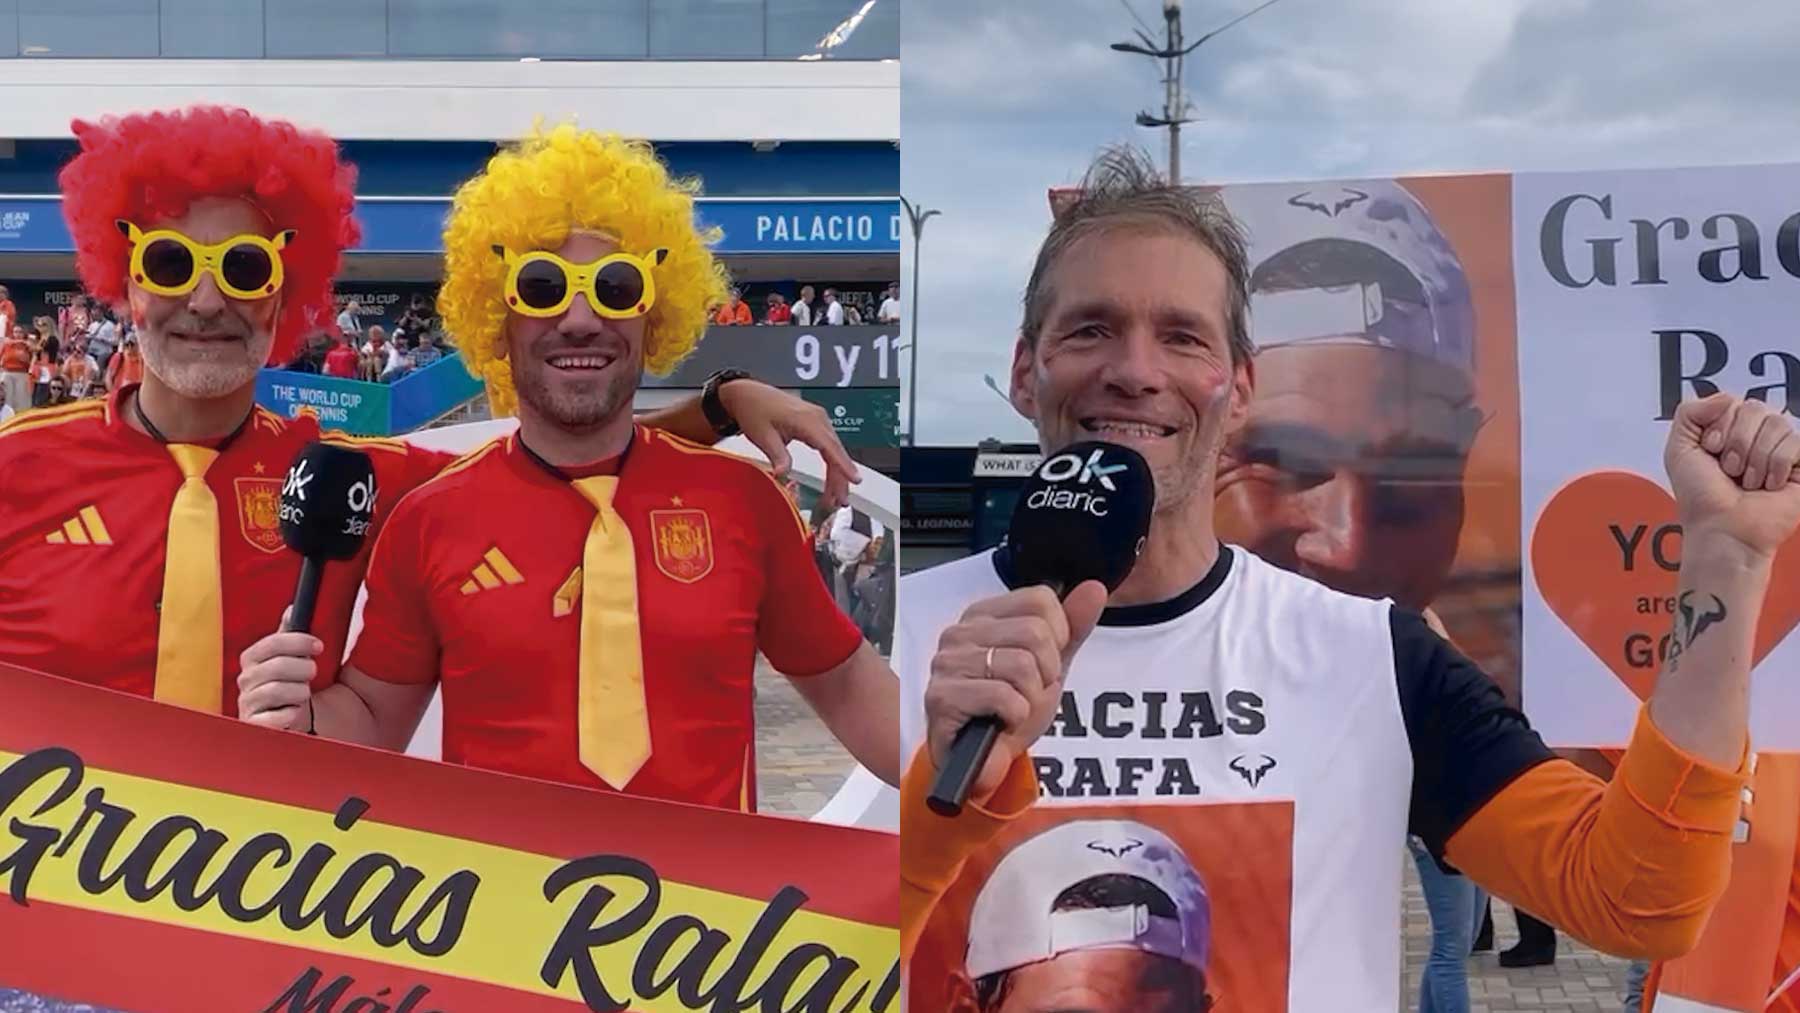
[1637, 290]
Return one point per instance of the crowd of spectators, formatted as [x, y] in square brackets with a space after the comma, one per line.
[85, 350]
[812, 308]
[855, 556]
[82, 351]
[354, 352]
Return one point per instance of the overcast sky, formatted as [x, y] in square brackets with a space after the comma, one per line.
[1002, 100]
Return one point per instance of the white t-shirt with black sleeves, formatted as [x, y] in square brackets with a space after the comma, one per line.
[1258, 684]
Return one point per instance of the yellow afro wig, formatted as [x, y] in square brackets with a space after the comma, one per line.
[530, 197]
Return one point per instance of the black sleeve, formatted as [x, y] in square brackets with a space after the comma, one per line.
[1467, 744]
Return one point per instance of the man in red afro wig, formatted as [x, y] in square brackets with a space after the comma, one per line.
[219, 232]
[211, 170]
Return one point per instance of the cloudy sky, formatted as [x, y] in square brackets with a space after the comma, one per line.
[1002, 100]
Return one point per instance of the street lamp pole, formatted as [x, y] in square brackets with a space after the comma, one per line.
[1171, 54]
[917, 217]
[1174, 102]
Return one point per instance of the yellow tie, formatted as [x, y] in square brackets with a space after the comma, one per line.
[190, 635]
[614, 716]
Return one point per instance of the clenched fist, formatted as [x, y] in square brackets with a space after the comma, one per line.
[1732, 468]
[1006, 657]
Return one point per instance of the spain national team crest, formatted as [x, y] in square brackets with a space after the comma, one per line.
[259, 512]
[684, 549]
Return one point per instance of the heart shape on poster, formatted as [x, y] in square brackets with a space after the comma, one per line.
[1605, 551]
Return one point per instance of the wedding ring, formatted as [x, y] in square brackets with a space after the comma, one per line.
[988, 666]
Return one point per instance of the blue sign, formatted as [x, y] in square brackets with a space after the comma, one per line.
[370, 409]
[402, 226]
[354, 406]
[428, 394]
[34, 224]
[416, 225]
[763, 226]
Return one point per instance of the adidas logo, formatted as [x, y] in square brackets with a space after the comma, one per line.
[494, 570]
[85, 528]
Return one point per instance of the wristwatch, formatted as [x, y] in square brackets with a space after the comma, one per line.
[721, 421]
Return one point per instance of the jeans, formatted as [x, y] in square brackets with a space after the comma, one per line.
[1634, 985]
[1456, 904]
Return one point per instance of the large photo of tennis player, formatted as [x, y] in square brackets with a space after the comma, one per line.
[1382, 453]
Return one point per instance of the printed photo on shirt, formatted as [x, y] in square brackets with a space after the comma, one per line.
[1117, 909]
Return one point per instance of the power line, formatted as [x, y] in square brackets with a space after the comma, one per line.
[1134, 15]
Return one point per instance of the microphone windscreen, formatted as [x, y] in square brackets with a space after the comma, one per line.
[1083, 515]
[328, 501]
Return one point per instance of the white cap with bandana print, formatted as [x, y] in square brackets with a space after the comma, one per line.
[1012, 923]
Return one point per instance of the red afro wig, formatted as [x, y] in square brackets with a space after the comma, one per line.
[149, 167]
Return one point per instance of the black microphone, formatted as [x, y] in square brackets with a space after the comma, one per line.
[1083, 515]
[326, 506]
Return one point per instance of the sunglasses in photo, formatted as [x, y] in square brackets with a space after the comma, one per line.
[166, 262]
[619, 286]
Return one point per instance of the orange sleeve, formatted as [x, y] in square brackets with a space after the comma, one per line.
[1632, 867]
[933, 848]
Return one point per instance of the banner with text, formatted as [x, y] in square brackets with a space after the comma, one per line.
[1637, 290]
[860, 416]
[841, 226]
[1464, 387]
[157, 860]
[863, 356]
[354, 406]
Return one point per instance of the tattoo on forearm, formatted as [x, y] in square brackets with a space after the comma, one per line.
[1697, 622]
[1692, 622]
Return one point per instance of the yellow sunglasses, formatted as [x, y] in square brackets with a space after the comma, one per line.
[166, 262]
[619, 286]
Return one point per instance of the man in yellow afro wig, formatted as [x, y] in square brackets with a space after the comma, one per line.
[592, 592]
[567, 185]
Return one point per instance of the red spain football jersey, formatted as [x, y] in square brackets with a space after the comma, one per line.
[476, 581]
[84, 514]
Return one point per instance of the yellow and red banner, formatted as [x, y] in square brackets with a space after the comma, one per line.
[154, 860]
